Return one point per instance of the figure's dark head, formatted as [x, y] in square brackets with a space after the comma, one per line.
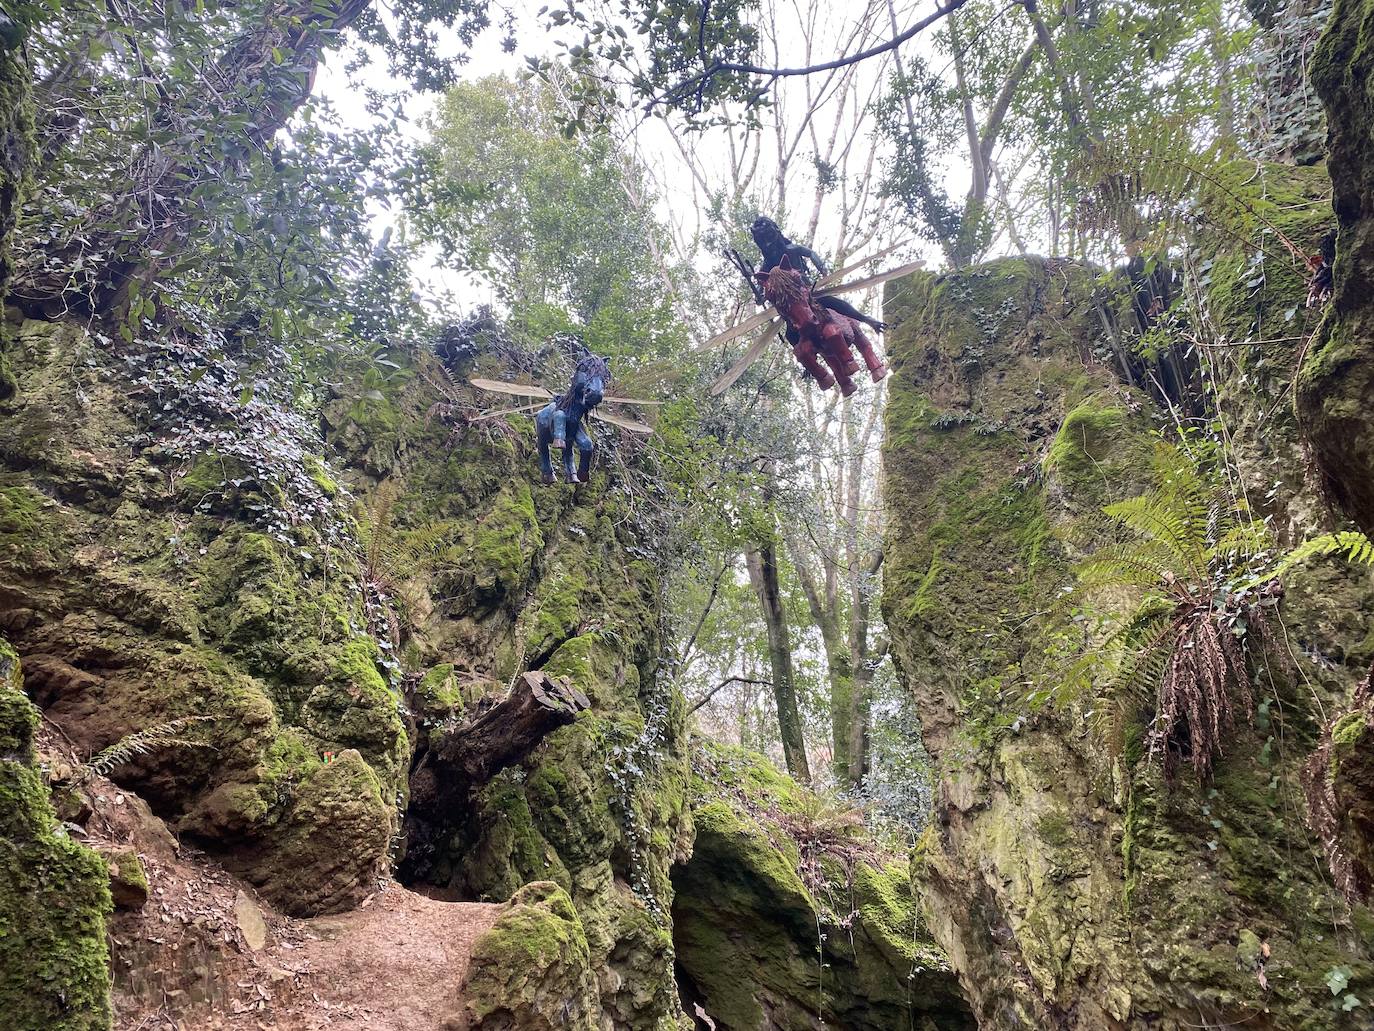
[590, 380]
[765, 229]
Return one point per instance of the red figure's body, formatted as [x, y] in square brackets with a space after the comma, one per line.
[821, 333]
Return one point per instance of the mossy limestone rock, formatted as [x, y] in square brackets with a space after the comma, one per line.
[1067, 884]
[533, 970]
[133, 607]
[54, 892]
[1336, 380]
[758, 948]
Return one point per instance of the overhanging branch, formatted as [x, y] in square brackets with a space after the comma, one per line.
[697, 83]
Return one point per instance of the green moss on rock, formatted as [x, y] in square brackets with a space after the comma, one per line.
[1069, 886]
[758, 948]
[54, 895]
[330, 847]
[128, 882]
[533, 969]
[506, 540]
[31, 528]
[1337, 375]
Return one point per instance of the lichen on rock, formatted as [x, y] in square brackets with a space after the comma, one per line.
[54, 892]
[1067, 883]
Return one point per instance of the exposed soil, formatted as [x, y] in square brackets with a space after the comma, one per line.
[395, 965]
[203, 953]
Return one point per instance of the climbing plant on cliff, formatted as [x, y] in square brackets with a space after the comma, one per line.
[1171, 613]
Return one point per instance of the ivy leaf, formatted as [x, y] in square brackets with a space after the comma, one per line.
[1338, 979]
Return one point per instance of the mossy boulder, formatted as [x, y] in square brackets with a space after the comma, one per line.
[54, 892]
[330, 849]
[758, 946]
[533, 970]
[128, 881]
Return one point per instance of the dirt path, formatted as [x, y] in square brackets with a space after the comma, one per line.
[394, 965]
[202, 953]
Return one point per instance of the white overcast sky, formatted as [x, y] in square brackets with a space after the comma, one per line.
[675, 201]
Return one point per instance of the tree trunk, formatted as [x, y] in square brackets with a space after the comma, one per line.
[458, 763]
[763, 574]
[247, 80]
[16, 143]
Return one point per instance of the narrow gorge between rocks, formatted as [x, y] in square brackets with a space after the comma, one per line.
[319, 709]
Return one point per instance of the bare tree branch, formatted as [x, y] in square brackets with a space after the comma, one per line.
[721, 686]
[696, 83]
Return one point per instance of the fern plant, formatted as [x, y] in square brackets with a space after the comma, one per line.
[1351, 545]
[393, 557]
[1165, 615]
[1149, 188]
[143, 742]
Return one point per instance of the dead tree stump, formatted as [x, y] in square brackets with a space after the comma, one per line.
[460, 761]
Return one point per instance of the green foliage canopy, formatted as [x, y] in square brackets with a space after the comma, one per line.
[552, 219]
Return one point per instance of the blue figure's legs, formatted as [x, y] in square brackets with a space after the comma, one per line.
[586, 446]
[551, 430]
[582, 441]
[543, 436]
[545, 461]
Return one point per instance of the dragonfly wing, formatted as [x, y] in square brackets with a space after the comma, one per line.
[497, 386]
[629, 401]
[747, 326]
[839, 274]
[625, 424]
[760, 345]
[508, 411]
[872, 281]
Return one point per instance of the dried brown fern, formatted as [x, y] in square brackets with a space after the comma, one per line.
[1324, 812]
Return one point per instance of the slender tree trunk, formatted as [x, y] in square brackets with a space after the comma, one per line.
[1226, 121]
[763, 574]
[16, 134]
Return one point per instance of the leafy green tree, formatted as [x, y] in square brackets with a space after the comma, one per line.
[1026, 95]
[547, 216]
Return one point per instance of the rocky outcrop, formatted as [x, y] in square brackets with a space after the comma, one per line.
[1340, 793]
[133, 606]
[1336, 381]
[308, 634]
[787, 915]
[1069, 885]
[54, 892]
[533, 969]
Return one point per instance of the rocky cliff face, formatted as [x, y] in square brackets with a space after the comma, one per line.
[54, 893]
[1069, 885]
[311, 649]
[312, 610]
[1337, 377]
[788, 916]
